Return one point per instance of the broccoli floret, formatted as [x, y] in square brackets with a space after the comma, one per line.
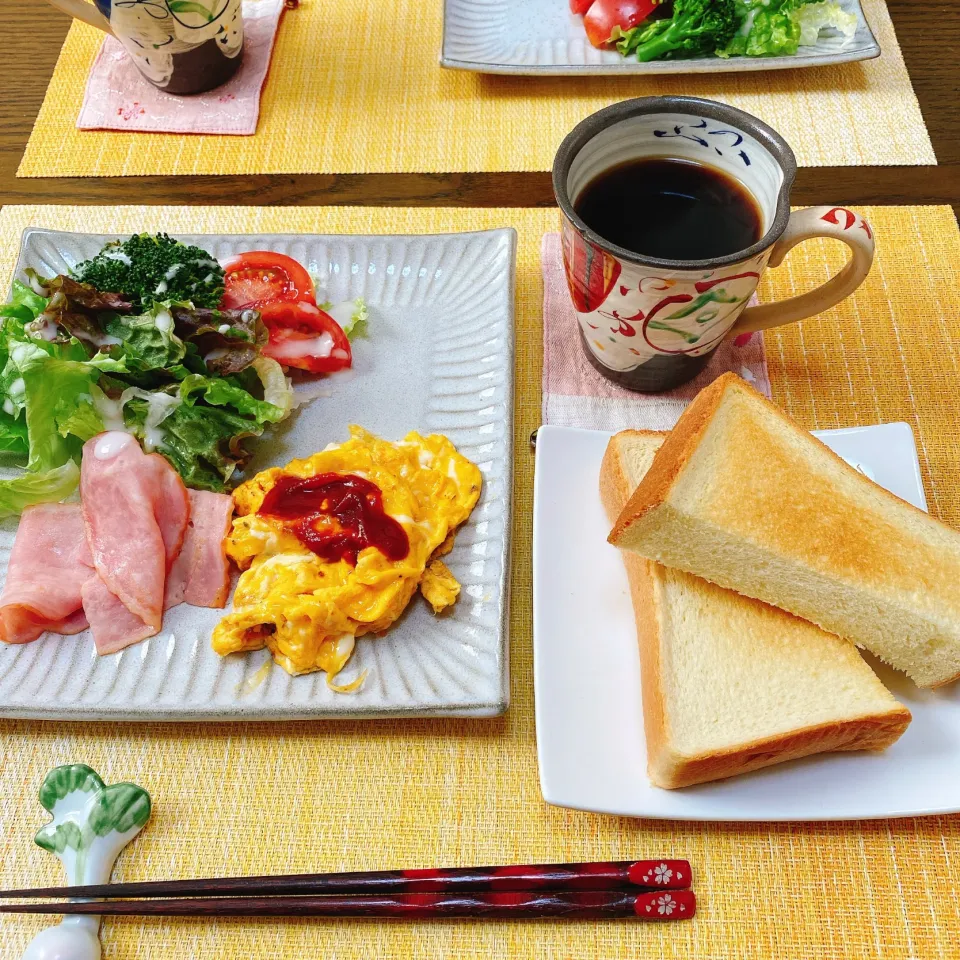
[148, 268]
[697, 28]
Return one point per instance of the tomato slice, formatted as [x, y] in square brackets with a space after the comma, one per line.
[580, 6]
[604, 15]
[304, 336]
[259, 277]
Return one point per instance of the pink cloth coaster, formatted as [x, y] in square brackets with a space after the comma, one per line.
[118, 97]
[577, 395]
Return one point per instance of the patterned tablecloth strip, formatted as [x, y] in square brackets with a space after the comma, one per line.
[355, 87]
[234, 798]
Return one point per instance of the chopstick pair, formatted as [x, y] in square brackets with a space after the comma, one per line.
[642, 890]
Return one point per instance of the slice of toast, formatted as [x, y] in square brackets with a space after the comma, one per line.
[730, 684]
[742, 496]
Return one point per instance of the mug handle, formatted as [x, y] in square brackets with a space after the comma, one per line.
[81, 10]
[838, 223]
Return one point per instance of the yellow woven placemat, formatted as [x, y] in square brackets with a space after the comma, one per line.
[355, 87]
[235, 798]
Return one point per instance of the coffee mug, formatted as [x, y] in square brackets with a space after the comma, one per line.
[180, 46]
[651, 324]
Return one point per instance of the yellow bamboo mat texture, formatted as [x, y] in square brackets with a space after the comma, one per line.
[355, 87]
[240, 799]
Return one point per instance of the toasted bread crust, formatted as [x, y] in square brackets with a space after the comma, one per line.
[669, 770]
[672, 456]
[866, 564]
[682, 441]
[615, 490]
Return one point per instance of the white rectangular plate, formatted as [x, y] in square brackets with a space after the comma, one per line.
[587, 670]
[439, 359]
[536, 37]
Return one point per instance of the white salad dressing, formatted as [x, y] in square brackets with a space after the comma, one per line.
[164, 321]
[173, 271]
[111, 411]
[111, 444]
[159, 407]
[45, 329]
[161, 288]
[117, 255]
[104, 340]
[321, 346]
[217, 353]
[224, 328]
[36, 286]
[747, 24]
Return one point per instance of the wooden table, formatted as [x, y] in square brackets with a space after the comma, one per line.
[929, 34]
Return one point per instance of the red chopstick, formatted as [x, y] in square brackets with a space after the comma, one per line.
[635, 875]
[516, 905]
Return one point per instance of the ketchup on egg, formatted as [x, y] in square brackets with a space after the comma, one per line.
[336, 515]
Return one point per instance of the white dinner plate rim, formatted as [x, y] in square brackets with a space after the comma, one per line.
[494, 700]
[552, 790]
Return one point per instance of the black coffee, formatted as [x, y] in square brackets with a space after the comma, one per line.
[671, 209]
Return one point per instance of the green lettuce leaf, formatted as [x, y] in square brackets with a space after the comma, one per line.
[46, 416]
[226, 392]
[53, 390]
[767, 29]
[13, 435]
[776, 28]
[147, 341]
[83, 422]
[202, 434]
[816, 16]
[25, 302]
[44, 486]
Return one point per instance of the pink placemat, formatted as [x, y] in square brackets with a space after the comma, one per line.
[118, 97]
[577, 395]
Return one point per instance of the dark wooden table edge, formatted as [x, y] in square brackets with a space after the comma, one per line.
[912, 185]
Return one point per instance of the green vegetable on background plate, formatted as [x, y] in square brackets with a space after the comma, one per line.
[734, 28]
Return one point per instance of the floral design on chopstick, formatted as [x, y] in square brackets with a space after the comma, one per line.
[665, 904]
[662, 873]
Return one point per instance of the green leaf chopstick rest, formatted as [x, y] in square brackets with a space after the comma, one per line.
[91, 823]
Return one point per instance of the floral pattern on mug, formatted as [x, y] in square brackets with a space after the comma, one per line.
[630, 313]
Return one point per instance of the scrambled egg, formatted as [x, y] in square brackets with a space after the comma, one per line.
[308, 610]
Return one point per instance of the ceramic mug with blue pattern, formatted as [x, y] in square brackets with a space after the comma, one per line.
[651, 324]
[180, 46]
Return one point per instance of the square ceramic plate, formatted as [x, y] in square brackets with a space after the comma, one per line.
[439, 359]
[587, 670]
[536, 37]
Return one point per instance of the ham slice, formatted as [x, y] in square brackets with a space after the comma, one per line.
[200, 575]
[135, 509]
[48, 567]
[113, 626]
